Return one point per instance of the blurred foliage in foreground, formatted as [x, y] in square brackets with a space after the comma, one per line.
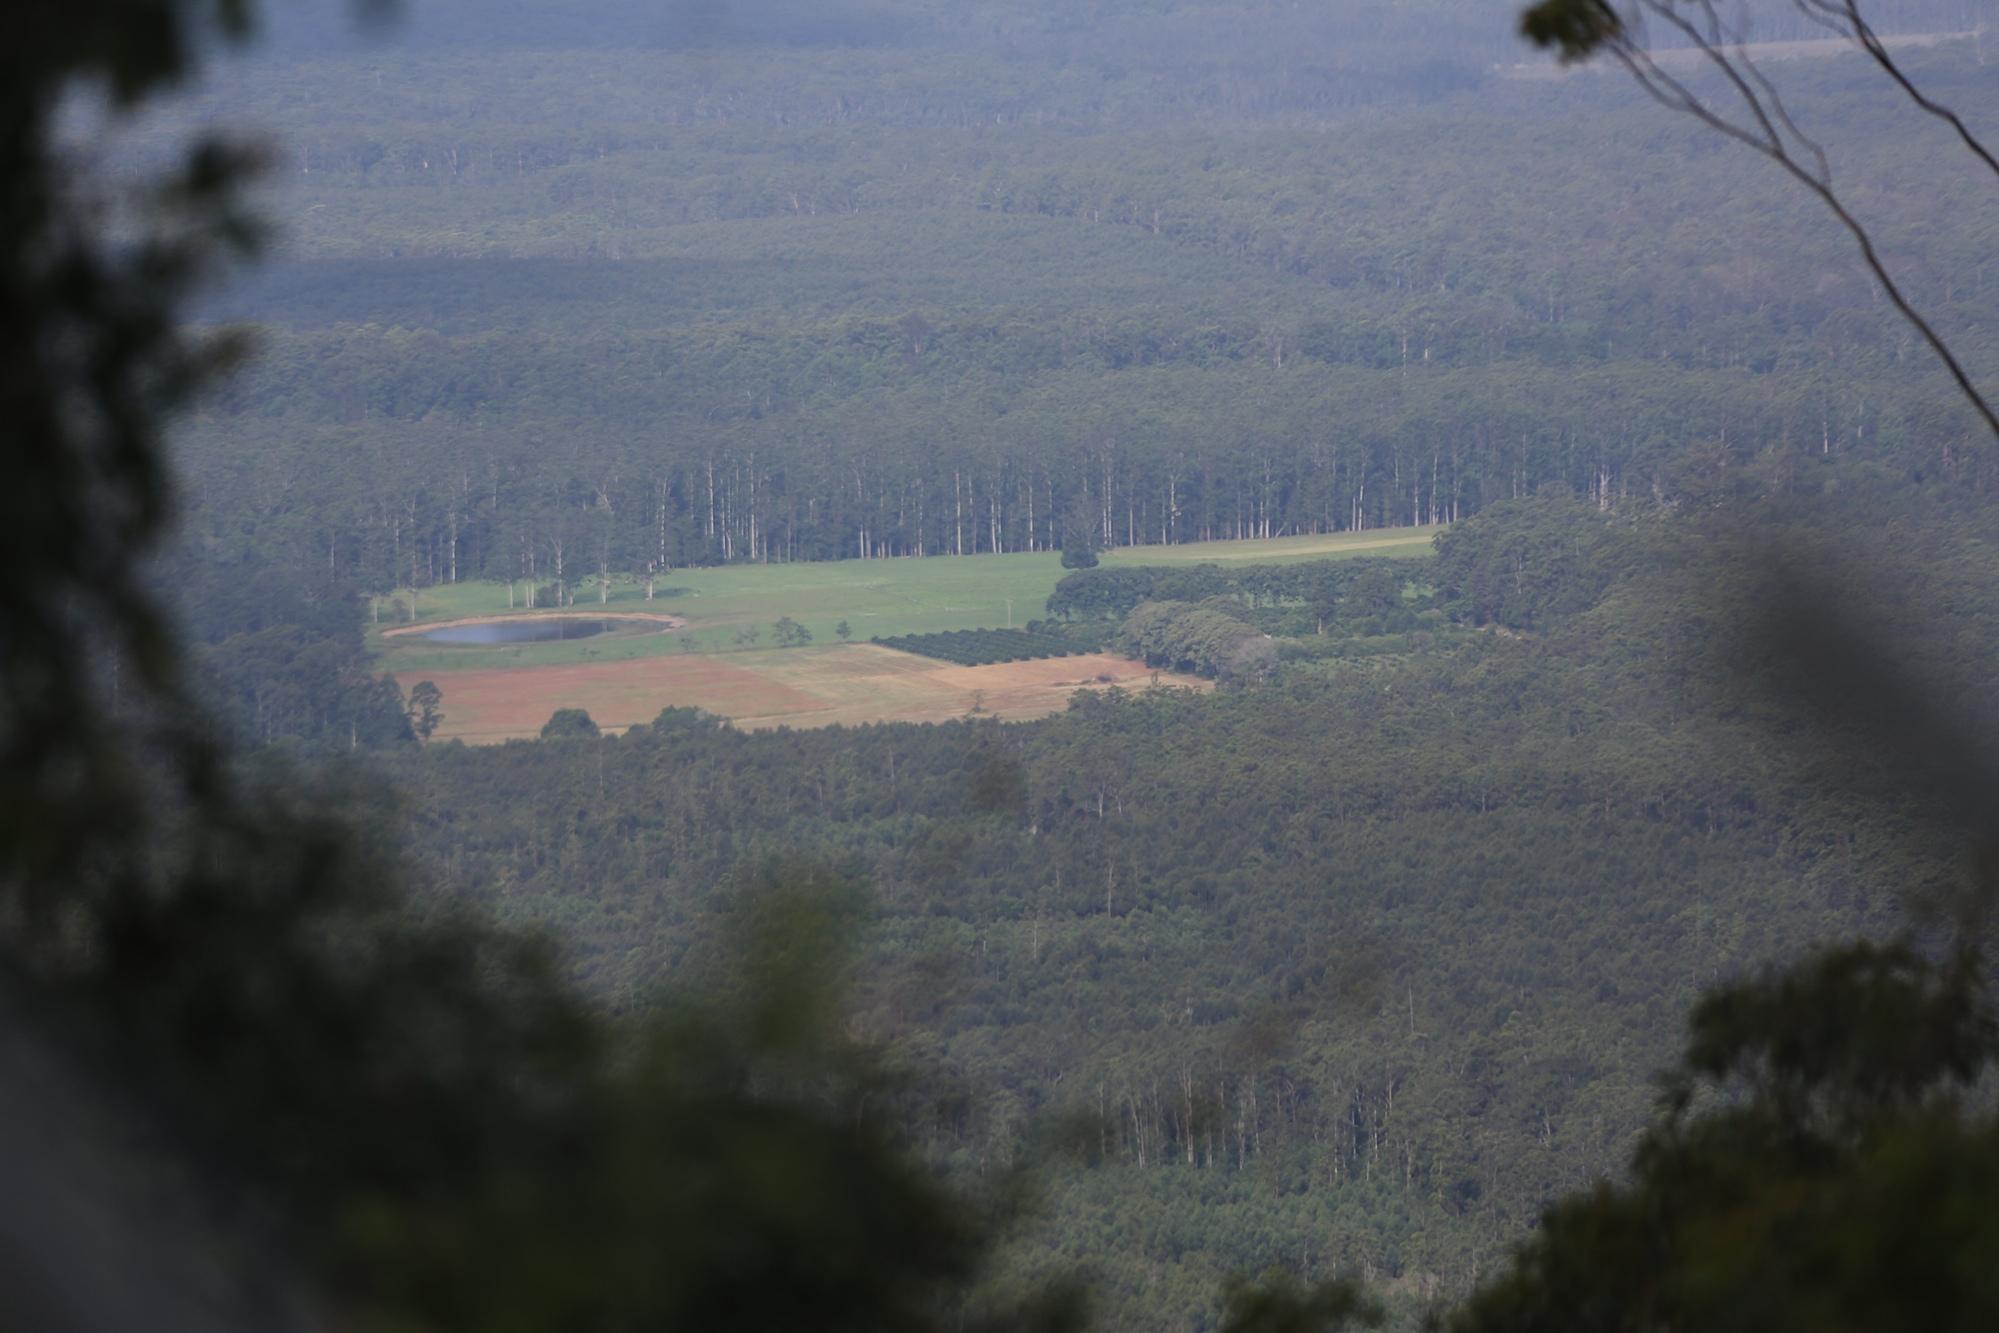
[1826, 1153]
[325, 1102]
[1820, 1162]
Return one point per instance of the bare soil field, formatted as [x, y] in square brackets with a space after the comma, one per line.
[846, 684]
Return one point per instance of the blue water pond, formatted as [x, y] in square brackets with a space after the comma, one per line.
[537, 629]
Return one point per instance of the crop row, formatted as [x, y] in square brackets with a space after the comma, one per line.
[980, 647]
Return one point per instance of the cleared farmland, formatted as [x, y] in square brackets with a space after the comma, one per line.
[874, 598]
[841, 684]
[717, 653]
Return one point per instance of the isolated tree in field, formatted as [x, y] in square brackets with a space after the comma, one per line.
[1747, 108]
[843, 631]
[685, 718]
[788, 633]
[424, 708]
[567, 724]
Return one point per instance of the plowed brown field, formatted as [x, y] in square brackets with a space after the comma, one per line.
[800, 687]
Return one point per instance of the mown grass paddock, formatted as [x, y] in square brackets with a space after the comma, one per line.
[877, 598]
[709, 660]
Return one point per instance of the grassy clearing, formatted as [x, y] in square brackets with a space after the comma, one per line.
[874, 597]
[1283, 550]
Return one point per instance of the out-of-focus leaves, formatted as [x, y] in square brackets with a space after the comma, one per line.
[1854, 1033]
[1576, 29]
[1279, 1303]
[1822, 652]
[1818, 1161]
[416, 1115]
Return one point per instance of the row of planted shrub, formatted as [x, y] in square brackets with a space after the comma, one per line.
[980, 647]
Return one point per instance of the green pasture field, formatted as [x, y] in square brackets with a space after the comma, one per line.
[875, 598]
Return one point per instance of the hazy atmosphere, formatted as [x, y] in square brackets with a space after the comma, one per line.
[1163, 666]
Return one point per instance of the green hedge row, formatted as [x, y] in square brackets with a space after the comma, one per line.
[980, 647]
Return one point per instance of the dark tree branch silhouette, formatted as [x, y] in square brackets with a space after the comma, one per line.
[1751, 112]
[1844, 18]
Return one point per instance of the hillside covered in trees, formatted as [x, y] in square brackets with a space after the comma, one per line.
[1351, 969]
[909, 282]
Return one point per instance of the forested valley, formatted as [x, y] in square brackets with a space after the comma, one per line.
[737, 304]
[1356, 963]
[1352, 970]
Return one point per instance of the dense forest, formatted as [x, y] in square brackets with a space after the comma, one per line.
[1350, 966]
[742, 304]
[1351, 969]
